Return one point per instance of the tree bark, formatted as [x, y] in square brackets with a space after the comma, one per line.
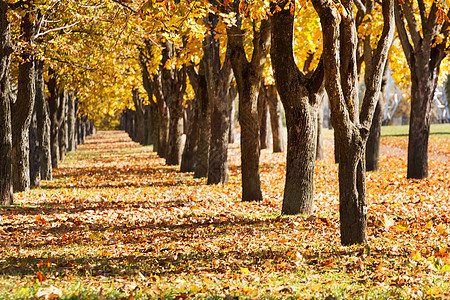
[373, 141]
[275, 119]
[341, 78]
[218, 80]
[43, 123]
[424, 55]
[198, 81]
[71, 119]
[264, 118]
[54, 110]
[163, 116]
[6, 186]
[22, 110]
[63, 137]
[248, 76]
[139, 117]
[234, 97]
[300, 96]
[192, 135]
[319, 148]
[34, 146]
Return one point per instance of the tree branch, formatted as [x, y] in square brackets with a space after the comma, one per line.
[402, 33]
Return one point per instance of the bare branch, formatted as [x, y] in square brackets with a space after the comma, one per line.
[55, 29]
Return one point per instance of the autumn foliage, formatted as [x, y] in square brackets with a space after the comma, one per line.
[117, 222]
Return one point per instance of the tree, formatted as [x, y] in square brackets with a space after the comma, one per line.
[248, 76]
[352, 129]
[174, 86]
[6, 187]
[218, 77]
[425, 46]
[22, 107]
[300, 94]
[198, 82]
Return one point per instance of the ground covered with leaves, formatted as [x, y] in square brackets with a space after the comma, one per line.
[116, 223]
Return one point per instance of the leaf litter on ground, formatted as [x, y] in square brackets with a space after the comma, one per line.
[117, 223]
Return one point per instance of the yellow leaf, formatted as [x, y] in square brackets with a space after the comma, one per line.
[315, 287]
[415, 256]
[400, 228]
[245, 271]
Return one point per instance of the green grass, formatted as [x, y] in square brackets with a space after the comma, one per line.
[403, 130]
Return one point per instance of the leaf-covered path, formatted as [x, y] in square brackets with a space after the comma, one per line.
[117, 222]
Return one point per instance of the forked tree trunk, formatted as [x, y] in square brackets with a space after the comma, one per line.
[6, 186]
[22, 110]
[422, 93]
[248, 76]
[424, 55]
[275, 119]
[300, 96]
[340, 41]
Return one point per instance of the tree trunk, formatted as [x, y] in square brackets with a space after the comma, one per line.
[175, 135]
[232, 132]
[275, 119]
[174, 86]
[54, 105]
[43, 123]
[264, 118]
[63, 137]
[248, 76]
[71, 119]
[319, 148]
[192, 135]
[422, 93]
[373, 142]
[204, 124]
[300, 96]
[424, 55]
[139, 118]
[35, 163]
[6, 186]
[352, 193]
[22, 110]
[218, 78]
[340, 41]
[300, 160]
[220, 125]
[163, 117]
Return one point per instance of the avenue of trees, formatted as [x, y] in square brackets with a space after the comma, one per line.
[178, 72]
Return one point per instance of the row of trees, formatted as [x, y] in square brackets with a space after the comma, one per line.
[211, 51]
[39, 120]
